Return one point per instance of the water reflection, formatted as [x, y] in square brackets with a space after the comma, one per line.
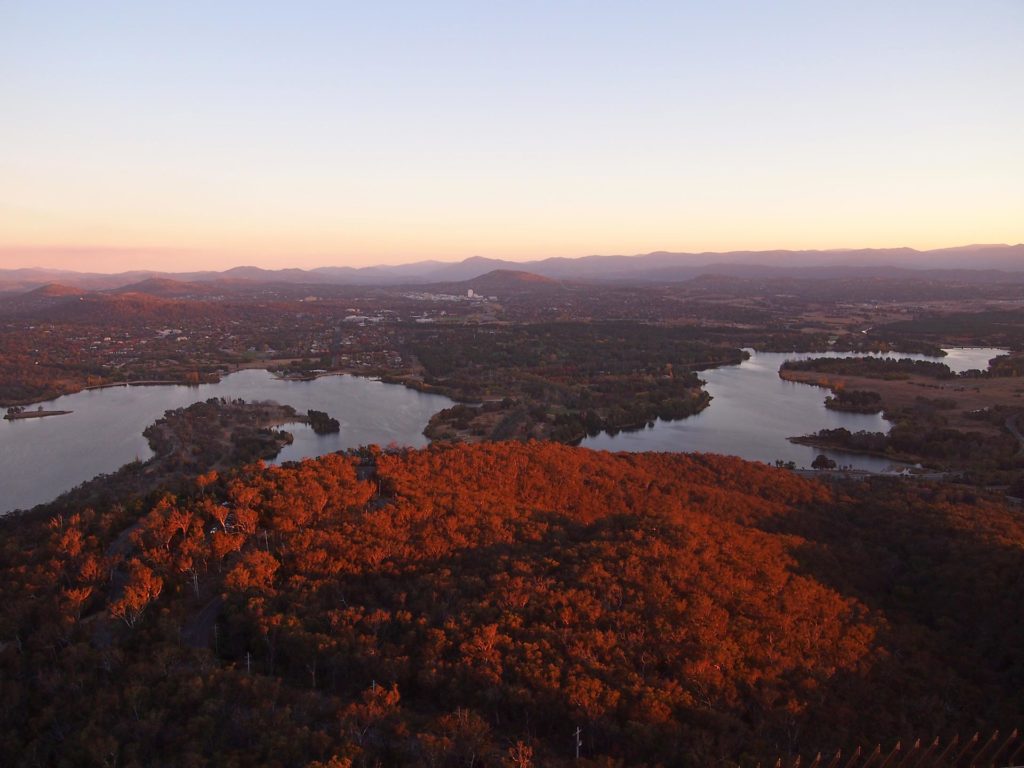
[42, 458]
[751, 415]
[753, 411]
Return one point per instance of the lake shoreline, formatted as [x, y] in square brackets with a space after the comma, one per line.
[826, 445]
[757, 408]
[218, 376]
[105, 430]
[20, 415]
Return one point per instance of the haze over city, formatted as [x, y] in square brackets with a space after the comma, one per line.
[179, 137]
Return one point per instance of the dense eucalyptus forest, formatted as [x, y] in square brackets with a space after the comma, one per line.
[475, 605]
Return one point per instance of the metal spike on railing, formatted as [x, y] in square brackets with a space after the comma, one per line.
[949, 748]
[994, 752]
[980, 754]
[922, 761]
[895, 751]
[910, 753]
[971, 742]
[871, 758]
[1004, 746]
[853, 758]
[1012, 759]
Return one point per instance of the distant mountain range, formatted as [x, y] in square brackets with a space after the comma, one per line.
[971, 263]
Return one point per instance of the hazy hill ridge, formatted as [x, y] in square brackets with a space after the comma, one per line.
[976, 263]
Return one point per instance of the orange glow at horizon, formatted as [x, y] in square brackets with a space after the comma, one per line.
[161, 136]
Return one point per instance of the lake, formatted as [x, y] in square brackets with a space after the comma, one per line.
[753, 412]
[751, 415]
[42, 458]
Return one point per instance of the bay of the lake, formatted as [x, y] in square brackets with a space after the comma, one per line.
[753, 412]
[42, 458]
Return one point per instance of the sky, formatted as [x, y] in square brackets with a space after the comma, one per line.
[185, 135]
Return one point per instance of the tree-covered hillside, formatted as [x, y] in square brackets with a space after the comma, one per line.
[475, 605]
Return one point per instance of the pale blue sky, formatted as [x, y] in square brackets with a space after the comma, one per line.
[332, 132]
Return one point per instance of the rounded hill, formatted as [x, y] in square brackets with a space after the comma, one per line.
[426, 607]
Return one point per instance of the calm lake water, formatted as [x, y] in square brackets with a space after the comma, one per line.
[753, 411]
[42, 458]
[751, 415]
